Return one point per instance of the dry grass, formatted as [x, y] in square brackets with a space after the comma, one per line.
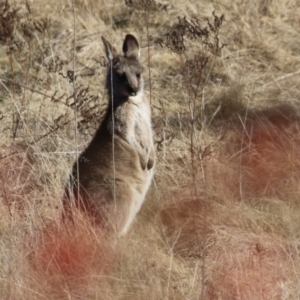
[222, 218]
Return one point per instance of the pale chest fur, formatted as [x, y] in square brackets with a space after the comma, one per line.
[133, 123]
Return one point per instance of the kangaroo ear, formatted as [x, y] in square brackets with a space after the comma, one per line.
[131, 47]
[110, 50]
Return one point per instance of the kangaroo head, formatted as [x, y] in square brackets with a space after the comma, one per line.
[124, 78]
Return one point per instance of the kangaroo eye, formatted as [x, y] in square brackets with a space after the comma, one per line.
[122, 76]
[138, 75]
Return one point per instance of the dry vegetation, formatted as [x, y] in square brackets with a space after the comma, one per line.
[222, 218]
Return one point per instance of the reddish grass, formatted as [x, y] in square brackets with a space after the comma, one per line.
[185, 225]
[270, 156]
[248, 268]
[237, 263]
[70, 257]
[260, 159]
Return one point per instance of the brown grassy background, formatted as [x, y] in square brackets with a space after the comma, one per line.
[221, 220]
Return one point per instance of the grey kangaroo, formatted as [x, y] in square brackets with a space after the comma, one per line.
[113, 174]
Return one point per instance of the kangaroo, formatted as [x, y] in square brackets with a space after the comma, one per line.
[112, 175]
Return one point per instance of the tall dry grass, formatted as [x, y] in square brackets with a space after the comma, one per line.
[222, 218]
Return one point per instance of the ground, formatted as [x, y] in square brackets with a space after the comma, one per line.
[221, 220]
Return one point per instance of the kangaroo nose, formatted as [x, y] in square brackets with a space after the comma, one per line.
[133, 90]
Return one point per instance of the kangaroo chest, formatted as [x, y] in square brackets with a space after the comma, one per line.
[133, 123]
